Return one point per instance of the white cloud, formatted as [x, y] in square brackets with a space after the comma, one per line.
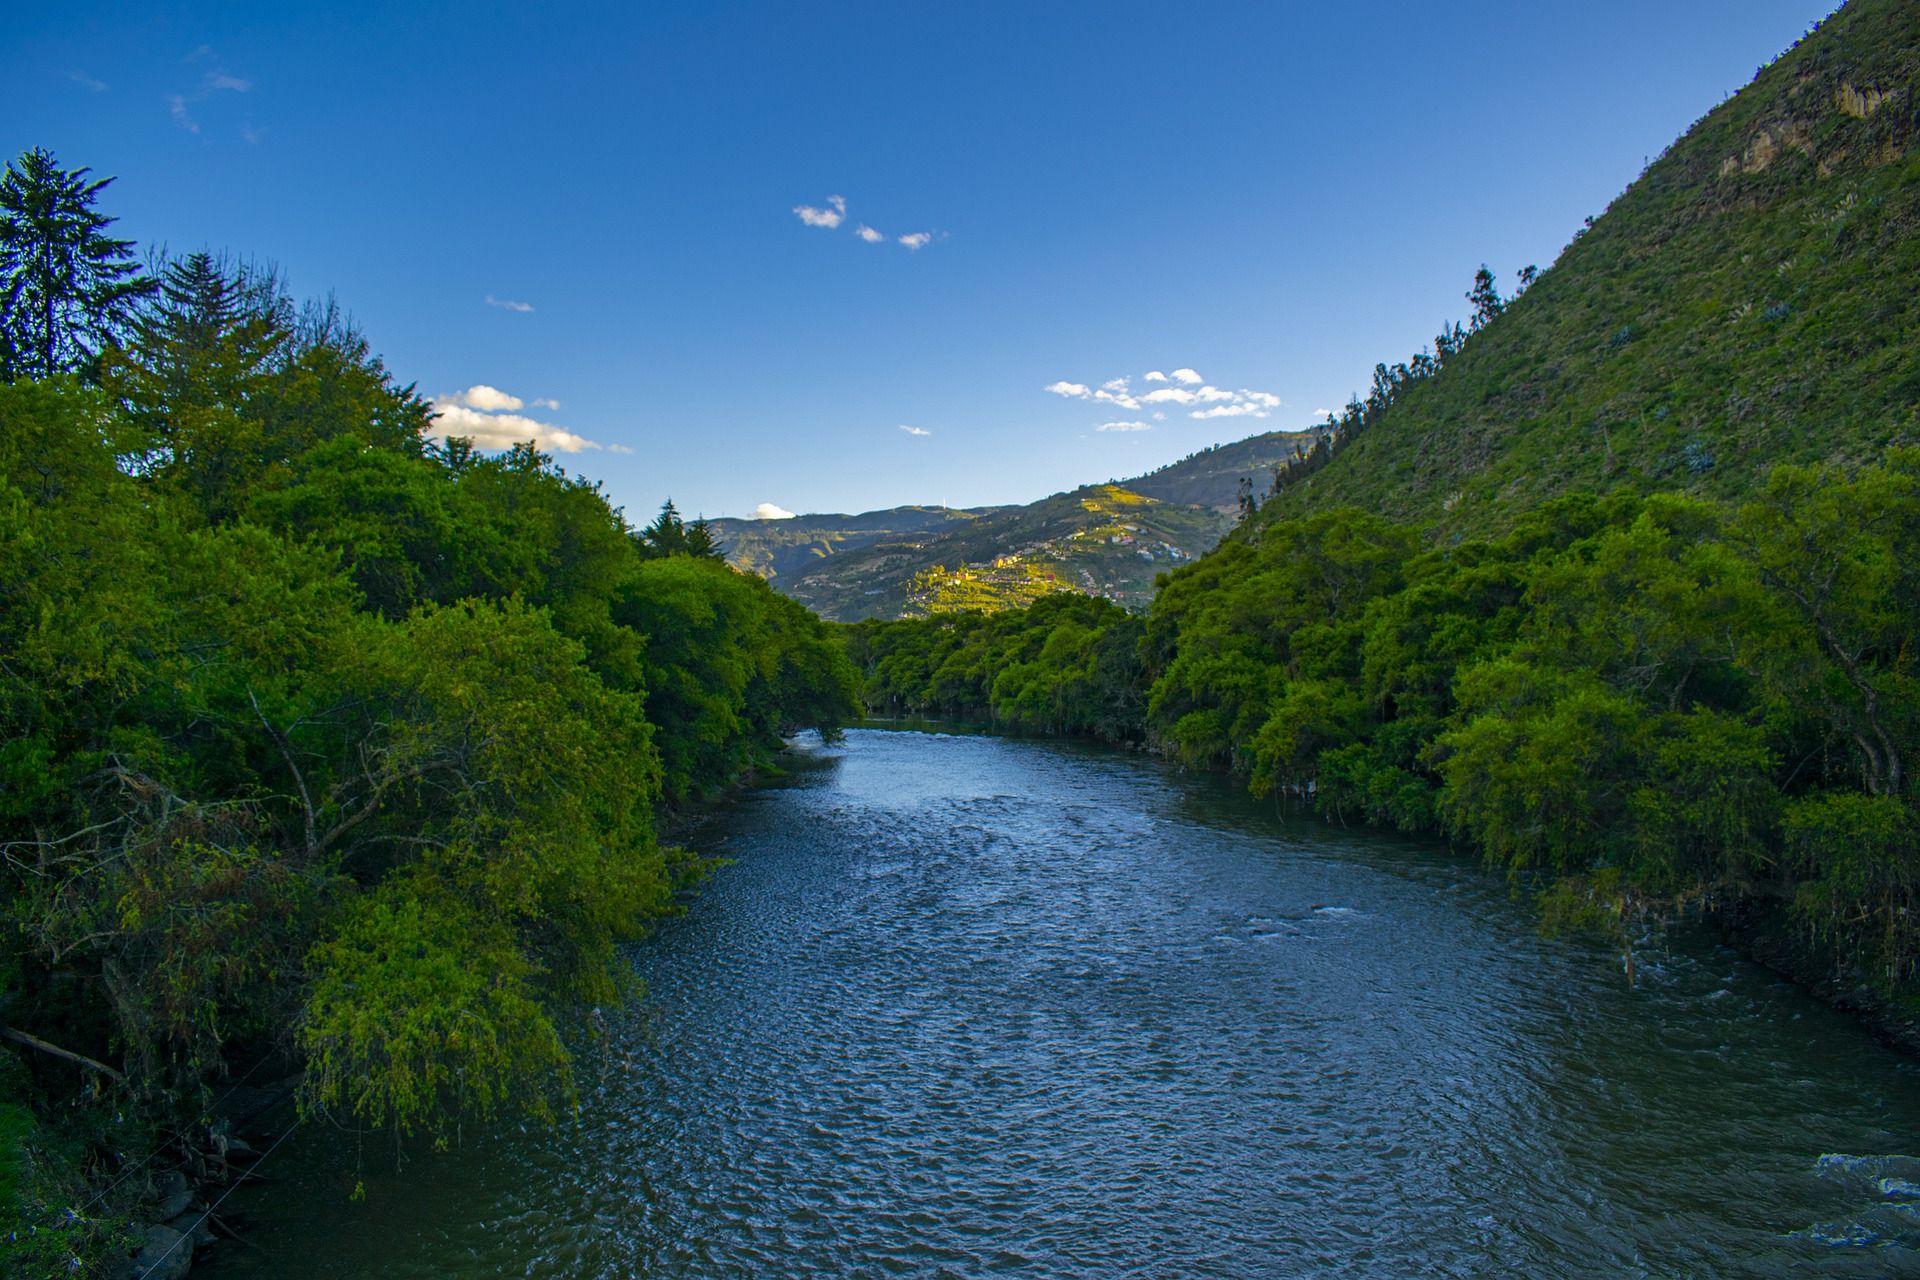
[218, 80]
[918, 240]
[177, 108]
[546, 402]
[251, 135]
[1124, 426]
[87, 82]
[1220, 402]
[508, 304]
[500, 430]
[868, 234]
[619, 448]
[1323, 413]
[829, 218]
[484, 398]
[770, 511]
[915, 431]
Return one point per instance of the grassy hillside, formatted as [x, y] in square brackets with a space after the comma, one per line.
[1750, 300]
[1110, 540]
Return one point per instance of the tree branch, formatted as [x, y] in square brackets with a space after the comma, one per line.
[78, 1059]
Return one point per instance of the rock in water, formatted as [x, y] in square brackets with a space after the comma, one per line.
[175, 1195]
[166, 1255]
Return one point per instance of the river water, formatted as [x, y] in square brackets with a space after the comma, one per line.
[969, 1006]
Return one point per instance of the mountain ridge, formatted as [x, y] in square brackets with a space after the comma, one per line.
[1110, 539]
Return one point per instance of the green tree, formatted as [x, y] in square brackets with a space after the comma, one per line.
[1486, 300]
[67, 289]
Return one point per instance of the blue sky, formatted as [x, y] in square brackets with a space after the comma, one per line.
[1272, 196]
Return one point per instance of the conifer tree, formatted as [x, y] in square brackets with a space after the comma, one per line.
[1485, 297]
[67, 289]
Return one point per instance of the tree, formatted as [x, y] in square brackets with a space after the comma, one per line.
[1485, 297]
[667, 535]
[701, 542]
[67, 289]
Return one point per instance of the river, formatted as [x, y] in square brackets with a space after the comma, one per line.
[971, 1006]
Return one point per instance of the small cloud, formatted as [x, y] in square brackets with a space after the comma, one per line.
[918, 240]
[1159, 417]
[817, 217]
[502, 430]
[215, 81]
[1114, 384]
[484, 398]
[1264, 399]
[1187, 376]
[177, 108]
[915, 431]
[1212, 395]
[618, 448]
[1323, 413]
[1156, 376]
[868, 234]
[508, 304]
[770, 511]
[546, 402]
[1124, 426]
[1077, 390]
[87, 82]
[1170, 395]
[1120, 398]
[1230, 411]
[250, 135]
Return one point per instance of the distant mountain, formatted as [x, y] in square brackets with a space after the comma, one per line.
[1109, 539]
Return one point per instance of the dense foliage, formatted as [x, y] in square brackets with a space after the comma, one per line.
[1067, 664]
[321, 740]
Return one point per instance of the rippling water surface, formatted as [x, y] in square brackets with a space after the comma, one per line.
[967, 1006]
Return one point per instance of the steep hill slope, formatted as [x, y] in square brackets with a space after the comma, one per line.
[1753, 298]
[1111, 539]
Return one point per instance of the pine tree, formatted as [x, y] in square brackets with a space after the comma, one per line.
[67, 289]
[1485, 297]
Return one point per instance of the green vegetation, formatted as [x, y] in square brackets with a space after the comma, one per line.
[320, 741]
[1066, 665]
[1746, 302]
[1619, 584]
